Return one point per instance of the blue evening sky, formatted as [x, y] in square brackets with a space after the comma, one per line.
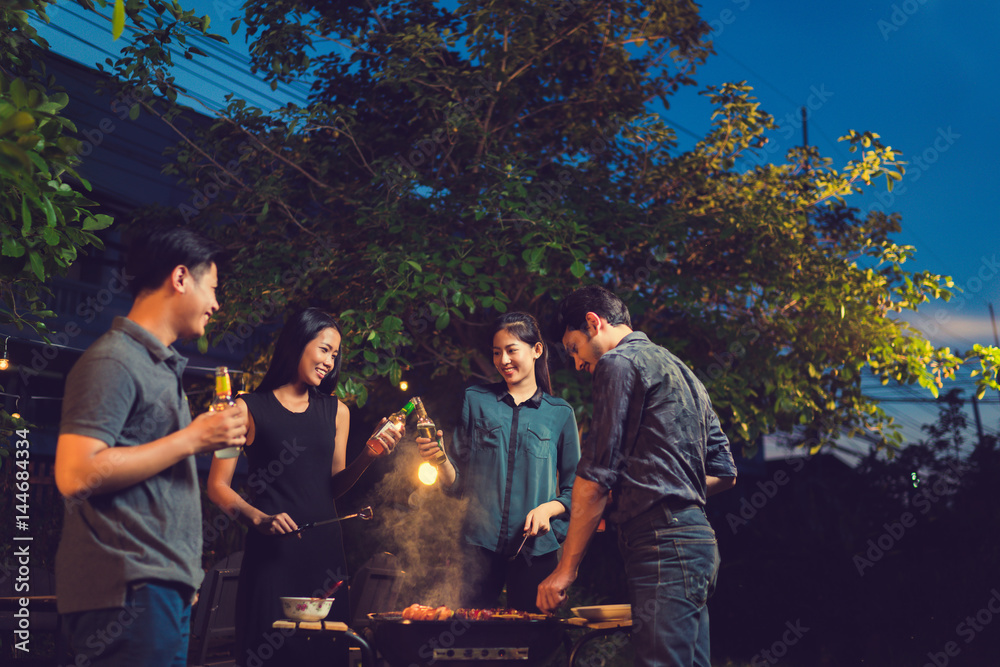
[921, 73]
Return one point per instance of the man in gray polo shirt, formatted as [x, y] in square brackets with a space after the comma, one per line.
[129, 559]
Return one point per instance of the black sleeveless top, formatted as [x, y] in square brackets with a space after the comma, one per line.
[291, 457]
[290, 464]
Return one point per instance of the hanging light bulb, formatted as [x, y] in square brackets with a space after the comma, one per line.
[241, 380]
[4, 362]
[404, 385]
[427, 473]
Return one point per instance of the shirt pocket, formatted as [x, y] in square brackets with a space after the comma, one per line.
[539, 441]
[487, 436]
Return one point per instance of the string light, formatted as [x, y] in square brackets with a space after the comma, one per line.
[4, 362]
[404, 385]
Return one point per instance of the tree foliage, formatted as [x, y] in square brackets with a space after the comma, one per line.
[45, 219]
[457, 160]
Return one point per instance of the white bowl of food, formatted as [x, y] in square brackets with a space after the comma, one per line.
[306, 609]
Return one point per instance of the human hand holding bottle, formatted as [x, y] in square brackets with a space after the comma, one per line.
[216, 430]
[385, 437]
[432, 451]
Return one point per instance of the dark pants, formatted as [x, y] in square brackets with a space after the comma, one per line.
[489, 571]
[671, 561]
[150, 630]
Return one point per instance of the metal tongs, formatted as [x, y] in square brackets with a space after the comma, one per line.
[365, 514]
[518, 552]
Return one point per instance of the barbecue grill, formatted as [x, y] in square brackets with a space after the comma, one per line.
[458, 641]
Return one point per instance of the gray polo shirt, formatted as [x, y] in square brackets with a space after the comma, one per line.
[125, 390]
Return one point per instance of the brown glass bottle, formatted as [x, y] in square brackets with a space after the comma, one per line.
[427, 429]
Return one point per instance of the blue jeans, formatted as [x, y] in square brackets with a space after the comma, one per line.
[151, 630]
[671, 562]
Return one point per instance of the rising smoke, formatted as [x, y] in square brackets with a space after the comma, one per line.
[422, 526]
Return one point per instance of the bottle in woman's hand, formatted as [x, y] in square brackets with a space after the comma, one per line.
[397, 422]
[426, 429]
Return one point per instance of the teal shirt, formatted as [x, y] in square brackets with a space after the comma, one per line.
[504, 483]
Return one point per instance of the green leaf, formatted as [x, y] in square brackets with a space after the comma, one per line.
[16, 152]
[442, 321]
[12, 248]
[133, 112]
[55, 102]
[118, 20]
[371, 356]
[235, 27]
[99, 221]
[203, 344]
[415, 266]
[35, 260]
[50, 213]
[25, 217]
[577, 269]
[19, 93]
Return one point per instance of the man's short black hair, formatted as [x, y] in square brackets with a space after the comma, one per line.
[153, 256]
[572, 313]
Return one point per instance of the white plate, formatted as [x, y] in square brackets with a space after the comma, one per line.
[605, 612]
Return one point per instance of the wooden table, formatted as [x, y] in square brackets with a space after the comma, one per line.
[595, 630]
[330, 630]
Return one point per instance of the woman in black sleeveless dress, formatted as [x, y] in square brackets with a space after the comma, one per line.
[296, 451]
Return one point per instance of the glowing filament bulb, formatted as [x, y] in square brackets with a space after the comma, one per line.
[427, 473]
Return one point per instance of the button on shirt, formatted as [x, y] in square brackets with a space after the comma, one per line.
[125, 390]
[511, 459]
[654, 434]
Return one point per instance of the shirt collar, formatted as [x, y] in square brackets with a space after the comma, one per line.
[504, 395]
[634, 336]
[156, 348]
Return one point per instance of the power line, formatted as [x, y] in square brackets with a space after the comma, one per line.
[178, 53]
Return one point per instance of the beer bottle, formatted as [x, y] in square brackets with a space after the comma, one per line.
[395, 420]
[426, 429]
[223, 399]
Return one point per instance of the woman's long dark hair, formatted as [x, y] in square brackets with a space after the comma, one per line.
[300, 328]
[525, 328]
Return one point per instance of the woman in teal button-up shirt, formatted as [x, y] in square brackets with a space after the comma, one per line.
[514, 455]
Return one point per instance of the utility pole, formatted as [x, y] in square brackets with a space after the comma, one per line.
[996, 339]
[805, 144]
[979, 420]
